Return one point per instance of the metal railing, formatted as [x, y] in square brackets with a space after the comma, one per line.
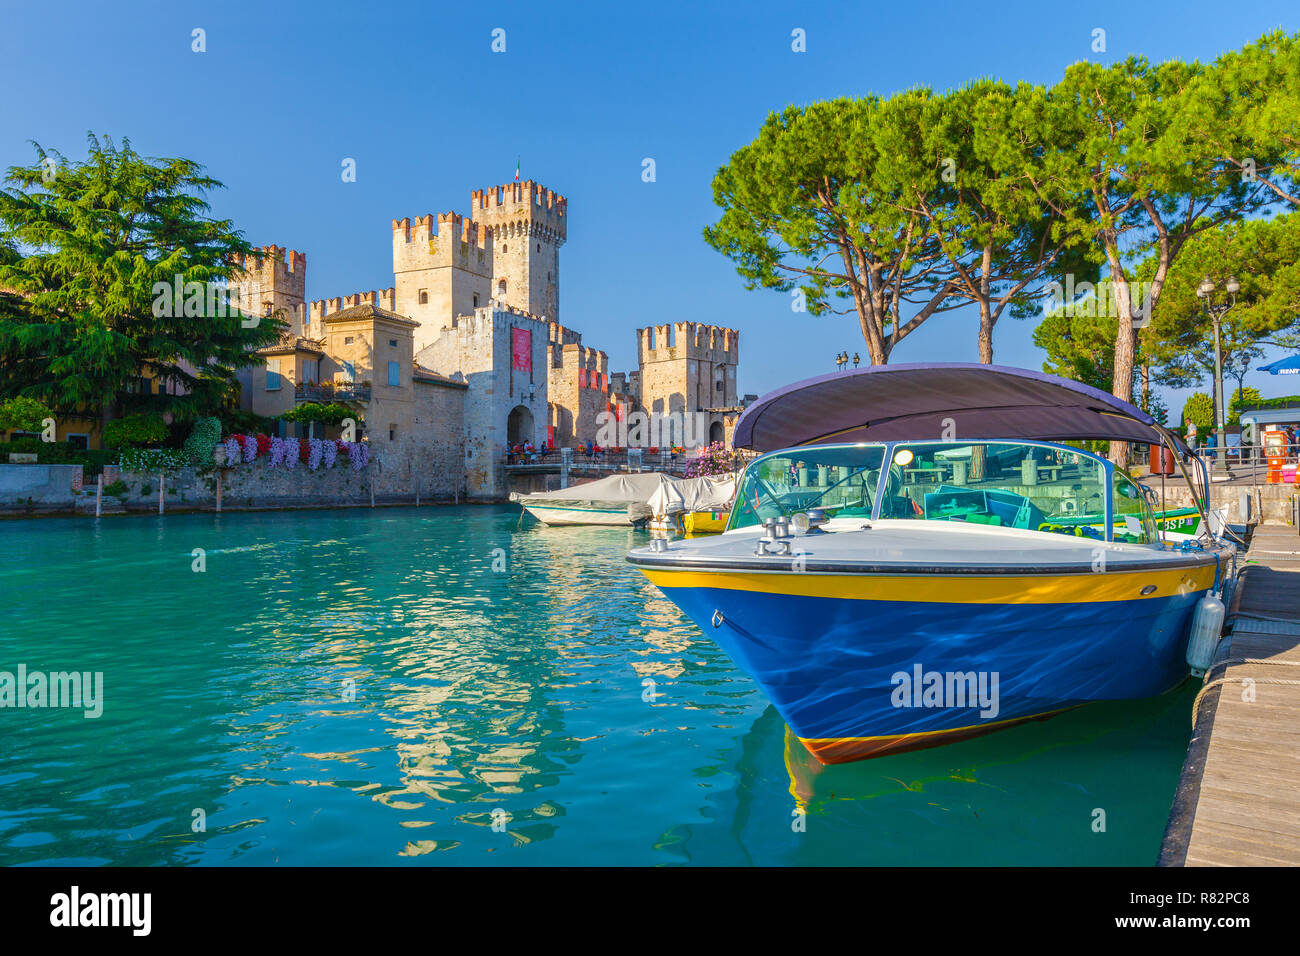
[619, 459]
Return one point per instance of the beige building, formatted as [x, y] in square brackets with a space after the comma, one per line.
[473, 312]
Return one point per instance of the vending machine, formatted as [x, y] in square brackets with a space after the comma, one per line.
[1274, 440]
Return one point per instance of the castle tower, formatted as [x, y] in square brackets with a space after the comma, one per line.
[271, 281]
[688, 367]
[441, 269]
[528, 223]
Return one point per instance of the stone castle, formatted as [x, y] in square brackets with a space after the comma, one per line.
[464, 355]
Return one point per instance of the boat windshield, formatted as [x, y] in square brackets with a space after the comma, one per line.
[1134, 520]
[1038, 487]
[842, 479]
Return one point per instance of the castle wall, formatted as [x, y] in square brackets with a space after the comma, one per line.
[578, 392]
[477, 349]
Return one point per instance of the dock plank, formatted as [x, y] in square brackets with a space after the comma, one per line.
[1238, 802]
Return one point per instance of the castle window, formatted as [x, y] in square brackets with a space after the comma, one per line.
[392, 343]
[539, 247]
[424, 297]
[347, 340]
[501, 287]
[392, 432]
[504, 247]
[394, 374]
[476, 300]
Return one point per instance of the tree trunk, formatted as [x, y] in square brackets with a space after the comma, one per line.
[1125, 341]
[986, 333]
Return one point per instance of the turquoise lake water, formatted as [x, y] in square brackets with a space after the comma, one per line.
[364, 687]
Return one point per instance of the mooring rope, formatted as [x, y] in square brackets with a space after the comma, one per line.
[1196, 704]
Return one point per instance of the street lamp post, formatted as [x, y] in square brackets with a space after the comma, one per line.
[1216, 307]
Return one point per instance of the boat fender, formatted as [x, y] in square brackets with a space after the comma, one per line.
[1207, 625]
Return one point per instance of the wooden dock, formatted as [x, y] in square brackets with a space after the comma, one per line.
[1238, 800]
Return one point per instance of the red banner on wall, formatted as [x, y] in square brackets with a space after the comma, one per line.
[521, 349]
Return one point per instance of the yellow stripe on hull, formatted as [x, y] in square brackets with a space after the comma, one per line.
[846, 749]
[1080, 588]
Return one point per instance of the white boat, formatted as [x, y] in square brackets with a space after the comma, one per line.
[619, 500]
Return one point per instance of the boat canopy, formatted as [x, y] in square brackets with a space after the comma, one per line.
[693, 494]
[957, 400]
[612, 493]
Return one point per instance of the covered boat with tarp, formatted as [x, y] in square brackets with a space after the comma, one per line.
[616, 500]
[693, 505]
[905, 564]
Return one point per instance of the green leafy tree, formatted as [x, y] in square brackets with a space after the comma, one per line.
[1264, 256]
[1259, 87]
[1243, 398]
[131, 431]
[814, 206]
[23, 414]
[1119, 137]
[1199, 410]
[84, 247]
[1001, 237]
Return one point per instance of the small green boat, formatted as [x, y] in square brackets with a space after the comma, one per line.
[1176, 520]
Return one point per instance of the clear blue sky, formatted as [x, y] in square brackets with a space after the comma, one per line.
[584, 92]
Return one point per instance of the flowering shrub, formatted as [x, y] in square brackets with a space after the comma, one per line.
[287, 452]
[276, 453]
[358, 454]
[152, 459]
[203, 438]
[713, 459]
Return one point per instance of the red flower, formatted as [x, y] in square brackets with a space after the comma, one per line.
[263, 444]
[304, 449]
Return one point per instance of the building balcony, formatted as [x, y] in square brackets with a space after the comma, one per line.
[327, 392]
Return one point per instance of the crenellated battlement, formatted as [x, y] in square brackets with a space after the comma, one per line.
[445, 240]
[526, 207]
[558, 334]
[271, 268]
[688, 340]
[383, 299]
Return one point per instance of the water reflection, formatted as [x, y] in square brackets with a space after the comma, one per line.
[361, 687]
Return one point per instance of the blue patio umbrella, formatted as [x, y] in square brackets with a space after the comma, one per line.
[1286, 366]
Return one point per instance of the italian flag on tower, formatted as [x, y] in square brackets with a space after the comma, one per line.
[516, 169]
